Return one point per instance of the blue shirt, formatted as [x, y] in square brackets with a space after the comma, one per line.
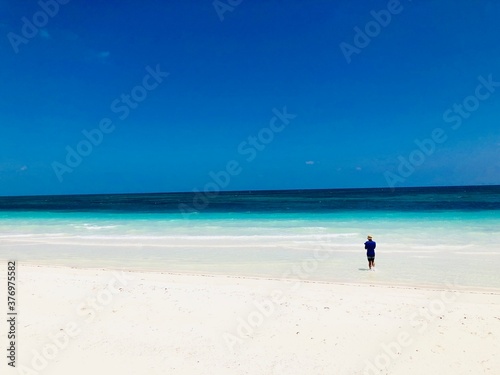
[370, 248]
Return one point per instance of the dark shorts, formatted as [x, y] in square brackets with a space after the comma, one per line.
[371, 259]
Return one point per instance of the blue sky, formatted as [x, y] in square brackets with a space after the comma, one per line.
[201, 77]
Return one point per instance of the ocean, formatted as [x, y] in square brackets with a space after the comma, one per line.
[432, 236]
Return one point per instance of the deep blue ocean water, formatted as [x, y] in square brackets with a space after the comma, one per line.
[425, 236]
[472, 198]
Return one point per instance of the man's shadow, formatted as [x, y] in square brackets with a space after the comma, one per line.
[364, 269]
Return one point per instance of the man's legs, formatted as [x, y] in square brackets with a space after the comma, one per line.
[371, 262]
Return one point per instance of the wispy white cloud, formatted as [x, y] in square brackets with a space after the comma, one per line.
[12, 166]
[98, 56]
[104, 54]
[44, 34]
[71, 36]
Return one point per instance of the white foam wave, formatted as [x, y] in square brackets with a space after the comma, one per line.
[93, 226]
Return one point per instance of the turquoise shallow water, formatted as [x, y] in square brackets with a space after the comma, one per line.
[426, 244]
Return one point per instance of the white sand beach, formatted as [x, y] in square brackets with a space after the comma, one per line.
[97, 321]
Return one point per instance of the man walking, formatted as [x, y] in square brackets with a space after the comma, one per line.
[370, 246]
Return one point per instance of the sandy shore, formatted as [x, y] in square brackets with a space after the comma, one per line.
[87, 321]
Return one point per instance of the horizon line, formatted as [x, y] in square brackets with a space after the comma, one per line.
[252, 191]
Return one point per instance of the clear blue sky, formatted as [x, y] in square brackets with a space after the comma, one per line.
[354, 104]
